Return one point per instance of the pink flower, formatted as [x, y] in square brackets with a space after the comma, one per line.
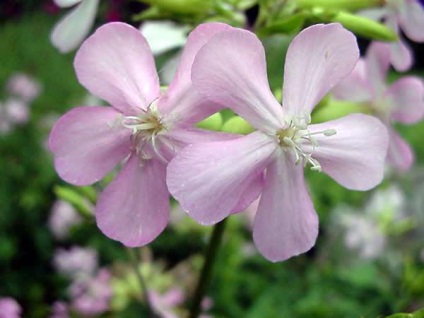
[164, 304]
[92, 296]
[407, 15]
[23, 86]
[144, 125]
[402, 101]
[63, 217]
[210, 179]
[76, 262]
[9, 308]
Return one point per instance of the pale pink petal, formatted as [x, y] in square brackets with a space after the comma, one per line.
[355, 87]
[401, 56]
[407, 99]
[318, 58]
[134, 208]
[231, 70]
[355, 155]
[71, 30]
[285, 224]
[411, 20]
[400, 154]
[87, 144]
[209, 179]
[252, 191]
[180, 137]
[116, 64]
[377, 62]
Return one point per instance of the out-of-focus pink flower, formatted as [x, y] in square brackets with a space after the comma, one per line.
[63, 217]
[211, 180]
[407, 15]
[92, 296]
[9, 308]
[164, 304]
[24, 87]
[402, 101]
[59, 310]
[73, 28]
[13, 112]
[144, 126]
[77, 262]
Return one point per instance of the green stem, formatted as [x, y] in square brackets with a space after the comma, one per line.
[135, 263]
[206, 273]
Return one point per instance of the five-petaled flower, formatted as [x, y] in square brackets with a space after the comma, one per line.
[144, 127]
[402, 101]
[209, 179]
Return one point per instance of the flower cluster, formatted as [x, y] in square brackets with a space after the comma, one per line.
[153, 135]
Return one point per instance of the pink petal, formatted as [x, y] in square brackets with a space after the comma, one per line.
[181, 99]
[401, 56]
[209, 179]
[377, 62]
[87, 144]
[318, 59]
[72, 29]
[411, 20]
[355, 155]
[231, 70]
[285, 224]
[134, 208]
[400, 154]
[116, 64]
[407, 99]
[355, 87]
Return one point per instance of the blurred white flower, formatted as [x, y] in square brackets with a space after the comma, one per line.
[63, 217]
[74, 27]
[77, 262]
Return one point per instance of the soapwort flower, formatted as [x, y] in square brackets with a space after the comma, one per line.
[209, 179]
[144, 126]
[402, 101]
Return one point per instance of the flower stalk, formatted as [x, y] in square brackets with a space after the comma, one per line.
[206, 273]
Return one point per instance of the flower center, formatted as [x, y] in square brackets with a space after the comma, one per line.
[297, 135]
[146, 127]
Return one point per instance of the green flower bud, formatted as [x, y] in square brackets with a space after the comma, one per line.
[364, 27]
[349, 5]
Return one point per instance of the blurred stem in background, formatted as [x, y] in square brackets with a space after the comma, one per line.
[206, 273]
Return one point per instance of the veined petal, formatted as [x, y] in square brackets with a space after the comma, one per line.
[355, 87]
[411, 20]
[355, 155]
[180, 137]
[116, 64]
[285, 224]
[134, 208]
[71, 30]
[209, 179]
[87, 144]
[181, 99]
[407, 99]
[318, 59]
[231, 70]
[400, 154]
